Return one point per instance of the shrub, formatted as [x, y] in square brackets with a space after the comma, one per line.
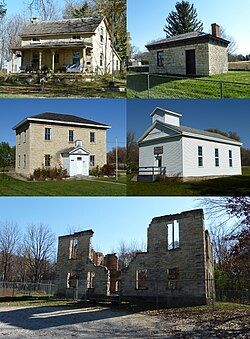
[95, 171]
[108, 170]
[40, 174]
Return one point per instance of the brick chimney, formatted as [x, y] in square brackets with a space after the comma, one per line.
[216, 30]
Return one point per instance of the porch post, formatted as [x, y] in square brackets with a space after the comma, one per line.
[53, 61]
[40, 60]
[83, 59]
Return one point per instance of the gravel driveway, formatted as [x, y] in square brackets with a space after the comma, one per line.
[65, 322]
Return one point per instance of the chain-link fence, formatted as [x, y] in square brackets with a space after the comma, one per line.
[14, 289]
[145, 85]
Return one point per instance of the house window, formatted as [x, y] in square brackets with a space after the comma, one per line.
[90, 279]
[73, 249]
[173, 235]
[47, 159]
[92, 136]
[160, 59]
[101, 59]
[56, 58]
[35, 39]
[72, 280]
[101, 35]
[71, 135]
[19, 160]
[216, 155]
[141, 279]
[92, 160]
[200, 156]
[76, 37]
[47, 135]
[230, 153]
[24, 161]
[173, 276]
[76, 58]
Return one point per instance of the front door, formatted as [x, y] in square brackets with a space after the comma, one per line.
[79, 165]
[190, 62]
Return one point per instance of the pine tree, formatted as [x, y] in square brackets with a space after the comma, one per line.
[182, 20]
[85, 11]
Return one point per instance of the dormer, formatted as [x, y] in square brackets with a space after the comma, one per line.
[166, 116]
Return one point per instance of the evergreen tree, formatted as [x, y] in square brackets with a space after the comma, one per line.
[3, 9]
[182, 20]
[85, 11]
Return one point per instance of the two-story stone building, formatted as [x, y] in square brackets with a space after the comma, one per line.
[56, 44]
[59, 140]
[194, 53]
[176, 269]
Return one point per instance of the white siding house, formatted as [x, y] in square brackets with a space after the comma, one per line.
[167, 148]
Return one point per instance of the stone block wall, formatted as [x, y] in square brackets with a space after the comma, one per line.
[218, 59]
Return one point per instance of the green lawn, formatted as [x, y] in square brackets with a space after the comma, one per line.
[75, 89]
[97, 187]
[234, 185]
[200, 87]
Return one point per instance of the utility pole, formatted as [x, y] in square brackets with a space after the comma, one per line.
[116, 159]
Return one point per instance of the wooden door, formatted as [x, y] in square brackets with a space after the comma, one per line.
[190, 62]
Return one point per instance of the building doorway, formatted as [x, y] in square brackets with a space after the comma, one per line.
[190, 62]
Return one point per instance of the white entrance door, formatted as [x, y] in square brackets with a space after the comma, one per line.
[79, 165]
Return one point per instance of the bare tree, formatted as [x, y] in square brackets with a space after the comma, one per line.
[9, 242]
[132, 150]
[44, 9]
[127, 252]
[39, 250]
[232, 47]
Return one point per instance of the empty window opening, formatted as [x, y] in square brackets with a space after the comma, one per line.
[72, 280]
[173, 235]
[47, 133]
[230, 153]
[173, 276]
[216, 155]
[200, 156]
[73, 249]
[90, 279]
[141, 279]
[71, 135]
[160, 59]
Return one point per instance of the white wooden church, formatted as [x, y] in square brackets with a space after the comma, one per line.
[170, 149]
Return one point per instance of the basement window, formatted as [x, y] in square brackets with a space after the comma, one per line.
[216, 157]
[173, 235]
[90, 279]
[173, 276]
[230, 154]
[72, 280]
[200, 156]
[73, 249]
[141, 279]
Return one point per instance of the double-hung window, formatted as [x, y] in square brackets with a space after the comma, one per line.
[230, 154]
[92, 137]
[47, 135]
[200, 156]
[216, 157]
[71, 135]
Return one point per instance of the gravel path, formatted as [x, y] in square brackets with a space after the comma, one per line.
[63, 322]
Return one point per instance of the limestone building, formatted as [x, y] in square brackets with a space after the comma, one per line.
[59, 140]
[54, 45]
[176, 269]
[194, 53]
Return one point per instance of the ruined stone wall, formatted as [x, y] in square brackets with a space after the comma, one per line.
[80, 266]
[188, 258]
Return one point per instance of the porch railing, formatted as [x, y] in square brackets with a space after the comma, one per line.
[152, 171]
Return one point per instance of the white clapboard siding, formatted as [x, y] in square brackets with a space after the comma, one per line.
[190, 158]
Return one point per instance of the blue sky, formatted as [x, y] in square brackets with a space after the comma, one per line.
[109, 111]
[117, 219]
[227, 115]
[146, 19]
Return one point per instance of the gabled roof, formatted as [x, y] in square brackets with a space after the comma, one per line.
[185, 38]
[165, 111]
[79, 25]
[72, 150]
[65, 119]
[193, 132]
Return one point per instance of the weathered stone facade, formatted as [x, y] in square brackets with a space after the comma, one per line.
[177, 268]
[181, 275]
[31, 146]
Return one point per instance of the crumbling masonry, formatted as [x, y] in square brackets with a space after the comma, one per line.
[177, 268]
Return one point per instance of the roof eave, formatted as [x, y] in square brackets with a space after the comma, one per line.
[210, 138]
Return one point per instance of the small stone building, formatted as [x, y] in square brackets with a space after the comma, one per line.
[194, 53]
[177, 268]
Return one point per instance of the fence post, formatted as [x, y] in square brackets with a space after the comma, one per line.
[148, 79]
[221, 89]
